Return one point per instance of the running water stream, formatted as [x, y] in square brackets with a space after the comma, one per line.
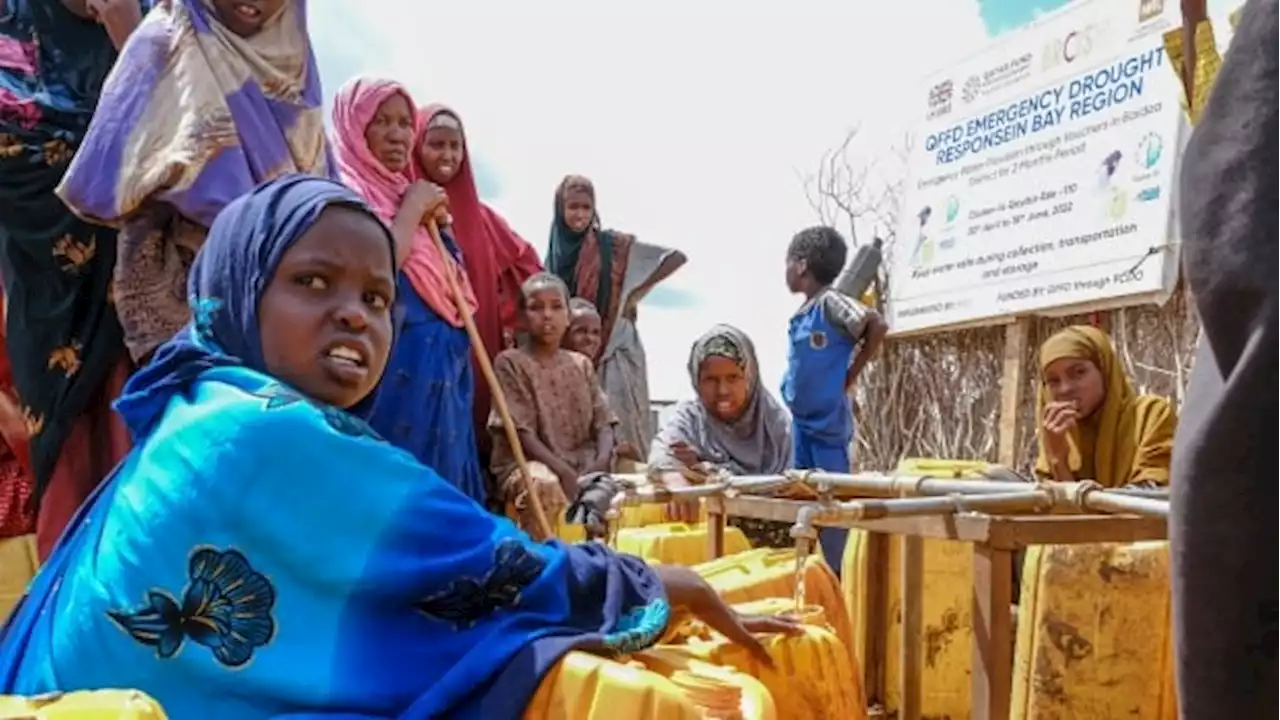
[804, 547]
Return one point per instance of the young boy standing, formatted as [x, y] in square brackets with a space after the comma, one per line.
[831, 339]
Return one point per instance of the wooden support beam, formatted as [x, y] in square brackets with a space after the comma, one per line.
[992, 633]
[1013, 383]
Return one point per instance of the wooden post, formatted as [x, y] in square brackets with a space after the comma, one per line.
[1013, 382]
[912, 593]
[876, 638]
[992, 632]
[715, 527]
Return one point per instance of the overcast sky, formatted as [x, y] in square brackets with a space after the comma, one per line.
[694, 119]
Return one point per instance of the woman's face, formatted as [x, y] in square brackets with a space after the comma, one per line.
[441, 154]
[723, 388]
[1076, 381]
[579, 209]
[390, 133]
[246, 17]
[325, 318]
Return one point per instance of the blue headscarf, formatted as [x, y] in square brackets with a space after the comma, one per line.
[245, 245]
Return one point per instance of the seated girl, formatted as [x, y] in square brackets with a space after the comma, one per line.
[262, 553]
[1092, 425]
[734, 424]
[560, 412]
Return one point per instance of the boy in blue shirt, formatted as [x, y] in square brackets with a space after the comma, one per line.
[831, 339]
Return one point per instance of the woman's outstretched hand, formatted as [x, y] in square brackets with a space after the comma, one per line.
[686, 589]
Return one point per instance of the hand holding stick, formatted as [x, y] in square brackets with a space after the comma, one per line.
[499, 399]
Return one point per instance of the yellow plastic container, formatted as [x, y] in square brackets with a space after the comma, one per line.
[771, 573]
[948, 597]
[18, 565]
[664, 683]
[85, 705]
[633, 516]
[676, 543]
[721, 692]
[585, 687]
[1094, 636]
[812, 677]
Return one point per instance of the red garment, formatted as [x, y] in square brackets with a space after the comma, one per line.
[497, 260]
[15, 477]
[97, 441]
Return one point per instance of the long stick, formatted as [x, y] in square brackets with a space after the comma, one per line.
[499, 399]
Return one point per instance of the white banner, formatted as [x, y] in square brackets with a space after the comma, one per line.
[1042, 172]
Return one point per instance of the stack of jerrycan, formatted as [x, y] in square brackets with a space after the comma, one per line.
[770, 573]
[702, 675]
[1094, 624]
[1094, 633]
[664, 683]
[646, 532]
[948, 598]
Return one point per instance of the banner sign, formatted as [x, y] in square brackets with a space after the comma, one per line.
[1042, 172]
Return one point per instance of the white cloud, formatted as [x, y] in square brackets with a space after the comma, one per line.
[692, 118]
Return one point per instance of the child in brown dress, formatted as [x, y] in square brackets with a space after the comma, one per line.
[560, 412]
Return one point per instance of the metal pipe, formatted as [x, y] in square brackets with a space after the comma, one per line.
[933, 495]
[1150, 493]
[1105, 501]
[813, 514]
[881, 485]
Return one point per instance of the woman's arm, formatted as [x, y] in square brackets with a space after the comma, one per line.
[671, 263]
[1055, 450]
[423, 199]
[671, 456]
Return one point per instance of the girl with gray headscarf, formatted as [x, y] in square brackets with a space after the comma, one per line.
[734, 423]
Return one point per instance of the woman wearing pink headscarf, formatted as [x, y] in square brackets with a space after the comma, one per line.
[497, 259]
[424, 404]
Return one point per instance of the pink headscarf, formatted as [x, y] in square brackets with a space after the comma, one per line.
[353, 109]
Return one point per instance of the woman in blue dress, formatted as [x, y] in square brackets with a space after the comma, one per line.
[262, 553]
[424, 403]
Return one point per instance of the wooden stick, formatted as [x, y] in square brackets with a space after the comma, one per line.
[499, 399]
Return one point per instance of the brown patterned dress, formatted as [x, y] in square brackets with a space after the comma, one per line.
[559, 400]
